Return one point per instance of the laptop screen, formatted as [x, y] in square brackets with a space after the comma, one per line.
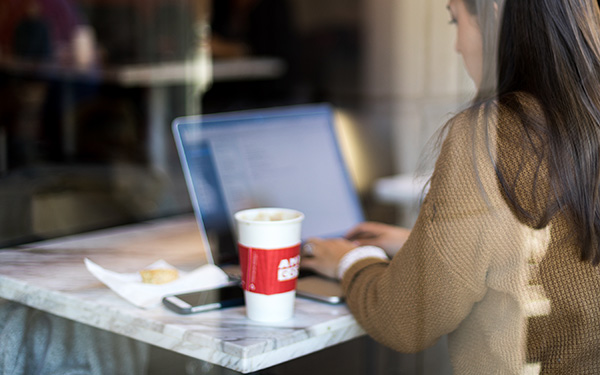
[284, 157]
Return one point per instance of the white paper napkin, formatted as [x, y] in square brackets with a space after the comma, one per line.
[131, 287]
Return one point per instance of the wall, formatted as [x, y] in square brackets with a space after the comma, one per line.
[413, 78]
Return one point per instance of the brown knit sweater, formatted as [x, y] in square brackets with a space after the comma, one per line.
[511, 298]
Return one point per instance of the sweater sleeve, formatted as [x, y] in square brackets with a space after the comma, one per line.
[432, 283]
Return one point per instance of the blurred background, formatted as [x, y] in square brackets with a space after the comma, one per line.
[88, 90]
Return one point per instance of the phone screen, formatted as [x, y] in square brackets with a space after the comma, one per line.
[212, 296]
[204, 300]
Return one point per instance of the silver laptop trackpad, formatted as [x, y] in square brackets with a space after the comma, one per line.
[320, 289]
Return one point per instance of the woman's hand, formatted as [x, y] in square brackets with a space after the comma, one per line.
[323, 256]
[388, 237]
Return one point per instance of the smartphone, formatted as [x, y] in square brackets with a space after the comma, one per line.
[204, 300]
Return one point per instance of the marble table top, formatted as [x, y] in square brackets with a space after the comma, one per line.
[51, 276]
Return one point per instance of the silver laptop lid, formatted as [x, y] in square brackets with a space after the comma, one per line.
[280, 157]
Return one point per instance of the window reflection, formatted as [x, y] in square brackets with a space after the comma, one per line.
[88, 89]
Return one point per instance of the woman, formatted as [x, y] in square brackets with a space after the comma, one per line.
[503, 257]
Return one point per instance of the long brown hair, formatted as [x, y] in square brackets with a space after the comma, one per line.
[550, 49]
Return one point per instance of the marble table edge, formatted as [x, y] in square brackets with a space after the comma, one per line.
[219, 352]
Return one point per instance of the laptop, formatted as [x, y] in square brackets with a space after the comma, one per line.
[279, 157]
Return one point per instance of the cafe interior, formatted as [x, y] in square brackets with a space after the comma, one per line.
[89, 90]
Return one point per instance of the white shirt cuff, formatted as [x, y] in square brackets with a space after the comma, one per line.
[360, 253]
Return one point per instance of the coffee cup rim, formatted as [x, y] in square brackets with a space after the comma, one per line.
[240, 215]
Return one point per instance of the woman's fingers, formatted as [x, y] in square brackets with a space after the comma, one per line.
[325, 254]
[363, 230]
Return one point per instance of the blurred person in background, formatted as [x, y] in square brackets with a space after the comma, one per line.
[32, 40]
